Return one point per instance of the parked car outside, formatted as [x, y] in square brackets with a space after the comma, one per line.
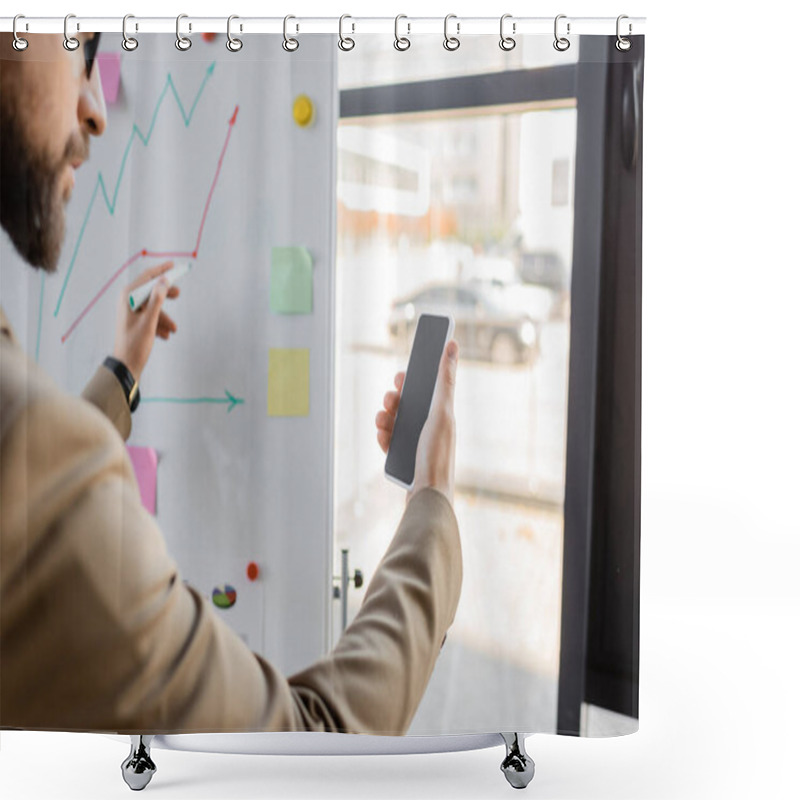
[546, 269]
[489, 323]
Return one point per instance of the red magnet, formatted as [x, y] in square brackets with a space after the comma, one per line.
[253, 571]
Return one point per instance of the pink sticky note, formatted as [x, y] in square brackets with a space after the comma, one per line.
[145, 465]
[109, 75]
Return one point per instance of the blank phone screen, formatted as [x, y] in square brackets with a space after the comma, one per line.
[415, 398]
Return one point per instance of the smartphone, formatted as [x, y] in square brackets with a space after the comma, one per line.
[432, 334]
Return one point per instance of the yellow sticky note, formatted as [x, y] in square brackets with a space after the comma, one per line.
[287, 382]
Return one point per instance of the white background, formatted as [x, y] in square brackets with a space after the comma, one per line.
[720, 611]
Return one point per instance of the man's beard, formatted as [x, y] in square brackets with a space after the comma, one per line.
[31, 207]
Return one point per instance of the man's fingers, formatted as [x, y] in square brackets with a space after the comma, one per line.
[384, 437]
[166, 319]
[159, 269]
[152, 307]
[165, 324]
[446, 380]
[149, 274]
[384, 421]
[390, 401]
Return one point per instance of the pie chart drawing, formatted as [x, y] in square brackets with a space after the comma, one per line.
[225, 597]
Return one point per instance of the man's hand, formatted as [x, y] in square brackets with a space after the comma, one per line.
[136, 330]
[435, 464]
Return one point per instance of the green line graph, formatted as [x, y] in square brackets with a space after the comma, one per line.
[136, 131]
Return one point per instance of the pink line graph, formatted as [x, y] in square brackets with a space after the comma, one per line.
[145, 253]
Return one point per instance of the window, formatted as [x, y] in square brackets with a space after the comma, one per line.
[465, 253]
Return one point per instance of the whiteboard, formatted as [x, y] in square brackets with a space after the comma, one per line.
[201, 152]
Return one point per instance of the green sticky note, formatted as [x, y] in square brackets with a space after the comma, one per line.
[290, 290]
[287, 387]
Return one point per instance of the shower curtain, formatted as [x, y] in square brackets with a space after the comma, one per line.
[200, 537]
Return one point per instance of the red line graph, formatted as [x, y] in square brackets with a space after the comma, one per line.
[145, 253]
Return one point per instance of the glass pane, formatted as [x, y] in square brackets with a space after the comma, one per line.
[471, 216]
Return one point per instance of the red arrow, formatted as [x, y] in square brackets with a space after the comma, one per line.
[231, 123]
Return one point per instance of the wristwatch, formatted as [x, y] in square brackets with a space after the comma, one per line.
[129, 384]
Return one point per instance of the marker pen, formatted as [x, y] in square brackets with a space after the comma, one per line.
[138, 297]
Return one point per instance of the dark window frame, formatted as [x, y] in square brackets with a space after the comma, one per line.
[600, 590]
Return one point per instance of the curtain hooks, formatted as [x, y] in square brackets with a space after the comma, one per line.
[401, 42]
[290, 44]
[18, 43]
[233, 44]
[345, 42]
[561, 43]
[129, 43]
[507, 42]
[70, 42]
[622, 44]
[182, 42]
[451, 42]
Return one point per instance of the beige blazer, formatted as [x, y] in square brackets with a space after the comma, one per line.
[98, 632]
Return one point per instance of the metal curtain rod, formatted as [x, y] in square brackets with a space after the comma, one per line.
[463, 26]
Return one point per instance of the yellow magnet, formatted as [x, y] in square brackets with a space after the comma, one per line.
[303, 110]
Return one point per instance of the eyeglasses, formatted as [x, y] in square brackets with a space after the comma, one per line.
[89, 52]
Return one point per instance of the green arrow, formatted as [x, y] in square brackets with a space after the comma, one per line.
[229, 398]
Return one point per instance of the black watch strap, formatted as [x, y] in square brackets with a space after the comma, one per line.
[129, 384]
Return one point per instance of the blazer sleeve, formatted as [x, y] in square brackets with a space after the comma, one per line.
[100, 633]
[105, 392]
[375, 677]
